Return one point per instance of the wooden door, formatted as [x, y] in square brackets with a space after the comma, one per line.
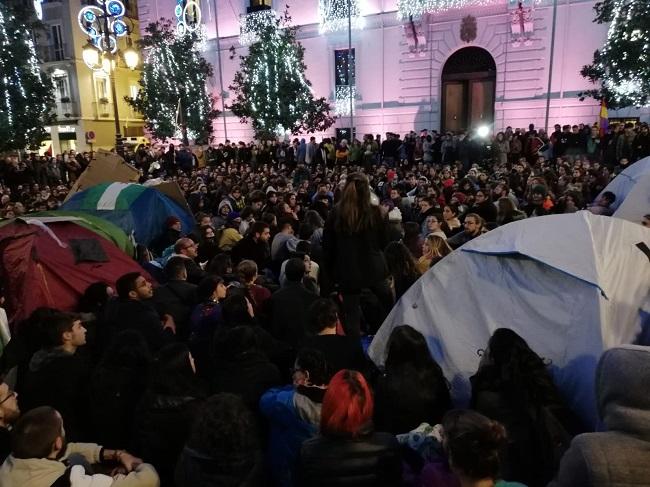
[454, 106]
[481, 102]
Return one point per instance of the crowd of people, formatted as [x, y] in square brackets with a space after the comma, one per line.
[236, 356]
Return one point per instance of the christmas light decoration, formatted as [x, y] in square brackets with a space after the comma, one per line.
[333, 15]
[622, 66]
[38, 9]
[26, 94]
[253, 23]
[188, 16]
[174, 71]
[271, 90]
[342, 100]
[417, 8]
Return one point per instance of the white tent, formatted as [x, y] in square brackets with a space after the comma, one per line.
[571, 285]
[625, 184]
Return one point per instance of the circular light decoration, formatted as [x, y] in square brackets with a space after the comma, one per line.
[110, 45]
[178, 11]
[192, 18]
[181, 29]
[38, 8]
[119, 28]
[115, 7]
[87, 19]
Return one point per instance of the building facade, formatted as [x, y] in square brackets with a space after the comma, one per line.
[84, 105]
[493, 62]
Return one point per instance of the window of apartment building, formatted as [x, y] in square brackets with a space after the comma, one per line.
[344, 67]
[57, 44]
[61, 84]
[101, 88]
[133, 91]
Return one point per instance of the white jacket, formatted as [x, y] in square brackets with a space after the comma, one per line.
[43, 472]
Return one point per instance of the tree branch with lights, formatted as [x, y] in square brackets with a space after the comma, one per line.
[173, 80]
[622, 66]
[26, 93]
[271, 89]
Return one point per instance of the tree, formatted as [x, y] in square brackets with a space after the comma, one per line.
[622, 66]
[26, 93]
[271, 88]
[173, 84]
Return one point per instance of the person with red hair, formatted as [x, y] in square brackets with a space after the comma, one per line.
[348, 450]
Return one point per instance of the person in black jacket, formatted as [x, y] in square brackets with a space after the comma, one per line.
[133, 310]
[340, 351]
[165, 412]
[413, 389]
[349, 452]
[484, 207]
[254, 246]
[290, 305]
[116, 388]
[241, 367]
[58, 375]
[402, 266]
[177, 297]
[353, 239]
[223, 448]
[9, 413]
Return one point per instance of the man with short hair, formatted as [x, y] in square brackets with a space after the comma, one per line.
[176, 297]
[289, 305]
[41, 457]
[284, 241]
[9, 413]
[58, 375]
[473, 228]
[134, 310]
[188, 250]
[254, 246]
[602, 205]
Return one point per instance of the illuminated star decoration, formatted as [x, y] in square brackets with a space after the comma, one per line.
[417, 8]
[250, 25]
[333, 15]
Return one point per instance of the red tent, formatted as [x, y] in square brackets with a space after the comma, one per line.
[51, 264]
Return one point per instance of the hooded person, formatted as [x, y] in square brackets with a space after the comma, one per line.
[621, 454]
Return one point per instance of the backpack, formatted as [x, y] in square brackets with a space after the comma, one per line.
[552, 438]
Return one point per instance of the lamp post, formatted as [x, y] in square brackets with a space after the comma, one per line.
[104, 24]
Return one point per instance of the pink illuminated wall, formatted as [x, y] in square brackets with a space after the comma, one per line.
[397, 92]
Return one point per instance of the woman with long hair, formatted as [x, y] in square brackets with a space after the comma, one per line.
[434, 249]
[208, 244]
[354, 237]
[349, 451]
[507, 212]
[413, 239]
[402, 267]
[413, 389]
[514, 386]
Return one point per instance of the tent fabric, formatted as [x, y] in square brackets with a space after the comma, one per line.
[37, 266]
[571, 285]
[623, 184]
[100, 226]
[136, 209]
[637, 202]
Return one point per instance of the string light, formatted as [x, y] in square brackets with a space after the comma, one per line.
[250, 25]
[342, 100]
[333, 15]
[417, 8]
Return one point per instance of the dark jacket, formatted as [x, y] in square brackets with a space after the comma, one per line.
[5, 444]
[114, 395]
[290, 312]
[178, 299]
[485, 210]
[59, 379]
[619, 456]
[247, 248]
[341, 352]
[372, 461]
[162, 424]
[248, 375]
[357, 260]
[141, 316]
[405, 398]
[196, 469]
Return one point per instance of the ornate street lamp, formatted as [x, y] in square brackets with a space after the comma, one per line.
[104, 23]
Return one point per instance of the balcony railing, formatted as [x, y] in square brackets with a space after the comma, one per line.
[54, 52]
[66, 110]
[103, 110]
